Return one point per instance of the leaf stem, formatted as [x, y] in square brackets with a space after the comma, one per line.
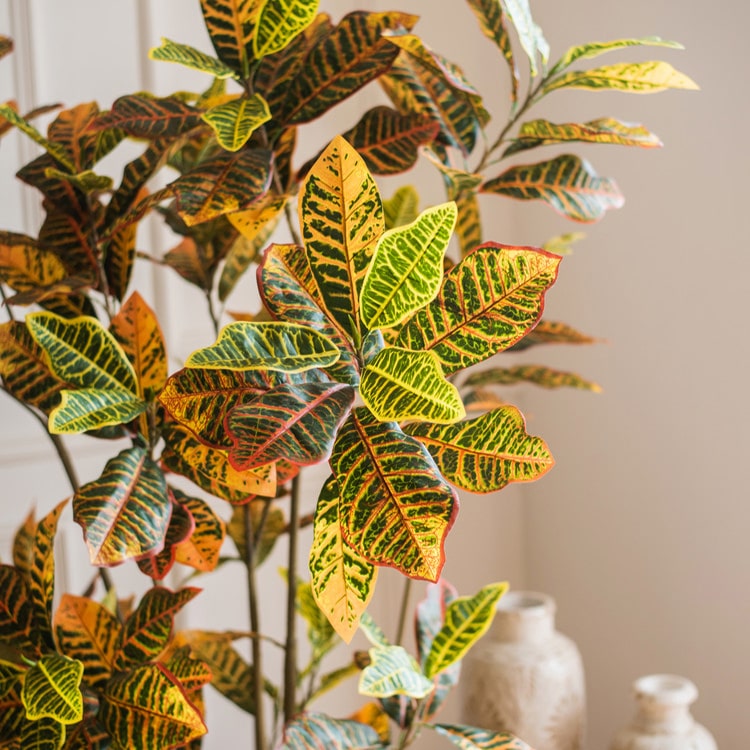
[403, 611]
[290, 657]
[252, 593]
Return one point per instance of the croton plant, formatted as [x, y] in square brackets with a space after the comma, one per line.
[362, 355]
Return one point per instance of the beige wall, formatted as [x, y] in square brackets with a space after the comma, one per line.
[639, 531]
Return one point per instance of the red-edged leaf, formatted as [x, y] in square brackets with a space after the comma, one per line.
[145, 116]
[201, 550]
[181, 526]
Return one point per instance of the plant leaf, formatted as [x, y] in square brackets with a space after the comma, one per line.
[566, 183]
[406, 268]
[190, 57]
[469, 223]
[282, 347]
[91, 408]
[16, 612]
[51, 688]
[201, 550]
[275, 525]
[471, 738]
[317, 731]
[430, 615]
[181, 525]
[23, 545]
[392, 671]
[386, 520]
[235, 121]
[486, 453]
[466, 621]
[486, 303]
[43, 734]
[293, 422]
[231, 24]
[342, 581]
[529, 34]
[119, 258]
[146, 632]
[389, 141]
[402, 385]
[402, 207]
[537, 374]
[53, 149]
[125, 513]
[552, 332]
[648, 77]
[86, 631]
[279, 21]
[341, 218]
[145, 116]
[562, 244]
[147, 707]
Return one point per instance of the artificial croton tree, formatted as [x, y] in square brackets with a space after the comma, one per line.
[363, 355]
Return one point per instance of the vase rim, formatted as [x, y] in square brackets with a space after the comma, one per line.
[525, 601]
[670, 689]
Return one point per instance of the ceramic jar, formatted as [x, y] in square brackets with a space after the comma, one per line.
[663, 720]
[524, 677]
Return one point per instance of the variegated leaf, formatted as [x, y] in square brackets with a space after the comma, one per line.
[546, 377]
[339, 63]
[430, 615]
[471, 738]
[16, 610]
[293, 422]
[231, 24]
[88, 735]
[6, 45]
[317, 731]
[91, 408]
[469, 223]
[604, 130]
[146, 632]
[193, 674]
[291, 293]
[181, 526]
[53, 149]
[279, 22]
[566, 183]
[466, 620]
[562, 244]
[119, 258]
[51, 688]
[553, 332]
[529, 34]
[201, 550]
[341, 218]
[86, 631]
[342, 581]
[226, 182]
[401, 385]
[386, 520]
[82, 352]
[23, 545]
[209, 468]
[487, 302]
[278, 346]
[88, 182]
[147, 707]
[137, 330]
[636, 78]
[486, 453]
[320, 633]
[393, 671]
[144, 116]
[406, 268]
[25, 266]
[13, 710]
[43, 734]
[389, 141]
[235, 121]
[125, 512]
[190, 57]
[401, 208]
[457, 181]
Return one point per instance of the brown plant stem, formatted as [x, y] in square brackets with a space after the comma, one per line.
[257, 666]
[403, 611]
[290, 657]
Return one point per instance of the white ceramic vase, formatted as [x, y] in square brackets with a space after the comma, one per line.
[526, 678]
[663, 720]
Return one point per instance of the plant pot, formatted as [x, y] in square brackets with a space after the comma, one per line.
[526, 678]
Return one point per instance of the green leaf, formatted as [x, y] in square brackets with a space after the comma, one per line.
[594, 49]
[430, 615]
[341, 218]
[466, 621]
[529, 34]
[234, 122]
[471, 738]
[51, 688]
[293, 422]
[91, 408]
[406, 268]
[393, 671]
[125, 513]
[14, 712]
[562, 244]
[145, 116]
[231, 24]
[316, 731]
[279, 21]
[389, 141]
[190, 57]
[146, 632]
[487, 302]
[402, 207]
[486, 453]
[282, 347]
[372, 631]
[342, 581]
[648, 77]
[53, 149]
[553, 332]
[16, 610]
[469, 224]
[320, 632]
[567, 183]
[87, 182]
[402, 385]
[43, 734]
[387, 519]
[147, 707]
[537, 374]
[82, 352]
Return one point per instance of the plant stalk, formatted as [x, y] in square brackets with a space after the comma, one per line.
[290, 657]
[403, 611]
[257, 667]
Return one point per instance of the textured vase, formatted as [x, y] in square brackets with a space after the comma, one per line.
[526, 678]
[663, 720]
